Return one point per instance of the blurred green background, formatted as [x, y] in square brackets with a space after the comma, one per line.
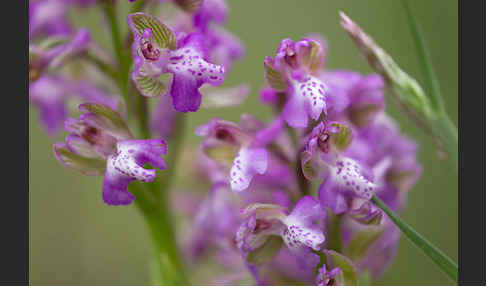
[75, 239]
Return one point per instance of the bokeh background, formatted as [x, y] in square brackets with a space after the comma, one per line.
[75, 239]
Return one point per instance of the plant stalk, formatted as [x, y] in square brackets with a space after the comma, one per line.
[156, 212]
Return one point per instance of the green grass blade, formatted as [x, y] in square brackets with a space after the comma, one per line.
[443, 261]
[431, 82]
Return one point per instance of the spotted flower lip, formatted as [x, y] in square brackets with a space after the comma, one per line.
[230, 143]
[223, 47]
[100, 143]
[125, 165]
[296, 229]
[187, 62]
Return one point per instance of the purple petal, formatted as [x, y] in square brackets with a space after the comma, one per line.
[48, 95]
[185, 93]
[211, 10]
[115, 186]
[294, 112]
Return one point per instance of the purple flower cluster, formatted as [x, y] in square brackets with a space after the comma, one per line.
[345, 142]
[261, 216]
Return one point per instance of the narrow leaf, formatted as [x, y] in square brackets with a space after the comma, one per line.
[443, 261]
[432, 85]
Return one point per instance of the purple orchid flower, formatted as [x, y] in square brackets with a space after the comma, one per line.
[53, 94]
[217, 218]
[57, 52]
[187, 63]
[244, 151]
[347, 184]
[353, 96]
[296, 229]
[224, 47]
[294, 70]
[100, 143]
[211, 11]
[48, 17]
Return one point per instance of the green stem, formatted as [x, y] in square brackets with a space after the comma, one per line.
[102, 66]
[141, 110]
[335, 232]
[322, 260]
[156, 212]
[173, 150]
[162, 223]
[443, 261]
[123, 60]
[431, 81]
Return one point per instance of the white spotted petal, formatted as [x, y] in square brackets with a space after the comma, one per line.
[349, 175]
[308, 99]
[188, 62]
[126, 165]
[247, 163]
[312, 92]
[301, 230]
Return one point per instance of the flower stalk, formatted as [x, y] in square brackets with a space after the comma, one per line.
[156, 213]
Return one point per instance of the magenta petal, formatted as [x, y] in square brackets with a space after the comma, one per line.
[308, 210]
[185, 93]
[295, 113]
[330, 196]
[115, 186]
